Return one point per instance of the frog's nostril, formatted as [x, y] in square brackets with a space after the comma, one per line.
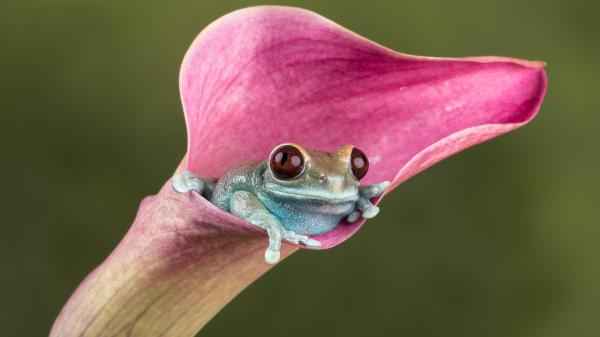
[322, 178]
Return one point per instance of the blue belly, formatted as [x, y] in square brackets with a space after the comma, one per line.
[307, 216]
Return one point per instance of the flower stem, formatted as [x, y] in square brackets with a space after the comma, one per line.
[181, 261]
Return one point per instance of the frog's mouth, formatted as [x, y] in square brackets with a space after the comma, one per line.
[316, 197]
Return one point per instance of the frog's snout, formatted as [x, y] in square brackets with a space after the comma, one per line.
[322, 178]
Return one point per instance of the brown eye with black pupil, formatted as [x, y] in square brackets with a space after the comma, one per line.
[287, 162]
[359, 163]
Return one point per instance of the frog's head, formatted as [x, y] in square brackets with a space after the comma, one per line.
[301, 173]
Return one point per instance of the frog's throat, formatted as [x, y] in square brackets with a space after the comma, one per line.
[341, 198]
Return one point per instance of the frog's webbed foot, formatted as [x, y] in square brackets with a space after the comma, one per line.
[296, 238]
[187, 181]
[364, 207]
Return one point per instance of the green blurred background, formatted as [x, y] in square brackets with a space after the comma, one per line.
[501, 240]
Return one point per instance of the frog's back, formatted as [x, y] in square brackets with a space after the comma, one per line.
[246, 177]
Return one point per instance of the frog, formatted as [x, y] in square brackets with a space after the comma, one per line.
[295, 194]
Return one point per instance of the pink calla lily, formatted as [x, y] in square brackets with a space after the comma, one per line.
[266, 75]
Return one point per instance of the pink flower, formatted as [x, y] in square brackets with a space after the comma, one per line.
[266, 75]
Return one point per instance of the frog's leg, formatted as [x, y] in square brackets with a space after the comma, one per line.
[246, 205]
[364, 205]
[187, 181]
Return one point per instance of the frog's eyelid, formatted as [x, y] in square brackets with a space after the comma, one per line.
[344, 154]
[345, 151]
[302, 150]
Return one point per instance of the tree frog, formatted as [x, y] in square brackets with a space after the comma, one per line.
[294, 194]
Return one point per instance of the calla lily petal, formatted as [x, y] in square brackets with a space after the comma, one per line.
[267, 75]
[176, 267]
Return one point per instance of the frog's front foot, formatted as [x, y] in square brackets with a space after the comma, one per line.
[364, 207]
[276, 234]
[296, 238]
[187, 181]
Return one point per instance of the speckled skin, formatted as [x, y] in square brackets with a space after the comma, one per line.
[317, 201]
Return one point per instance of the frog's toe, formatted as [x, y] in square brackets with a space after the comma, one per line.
[272, 255]
[374, 190]
[311, 243]
[353, 216]
[370, 212]
[187, 181]
[300, 239]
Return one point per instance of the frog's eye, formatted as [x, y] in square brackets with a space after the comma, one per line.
[358, 163]
[286, 162]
